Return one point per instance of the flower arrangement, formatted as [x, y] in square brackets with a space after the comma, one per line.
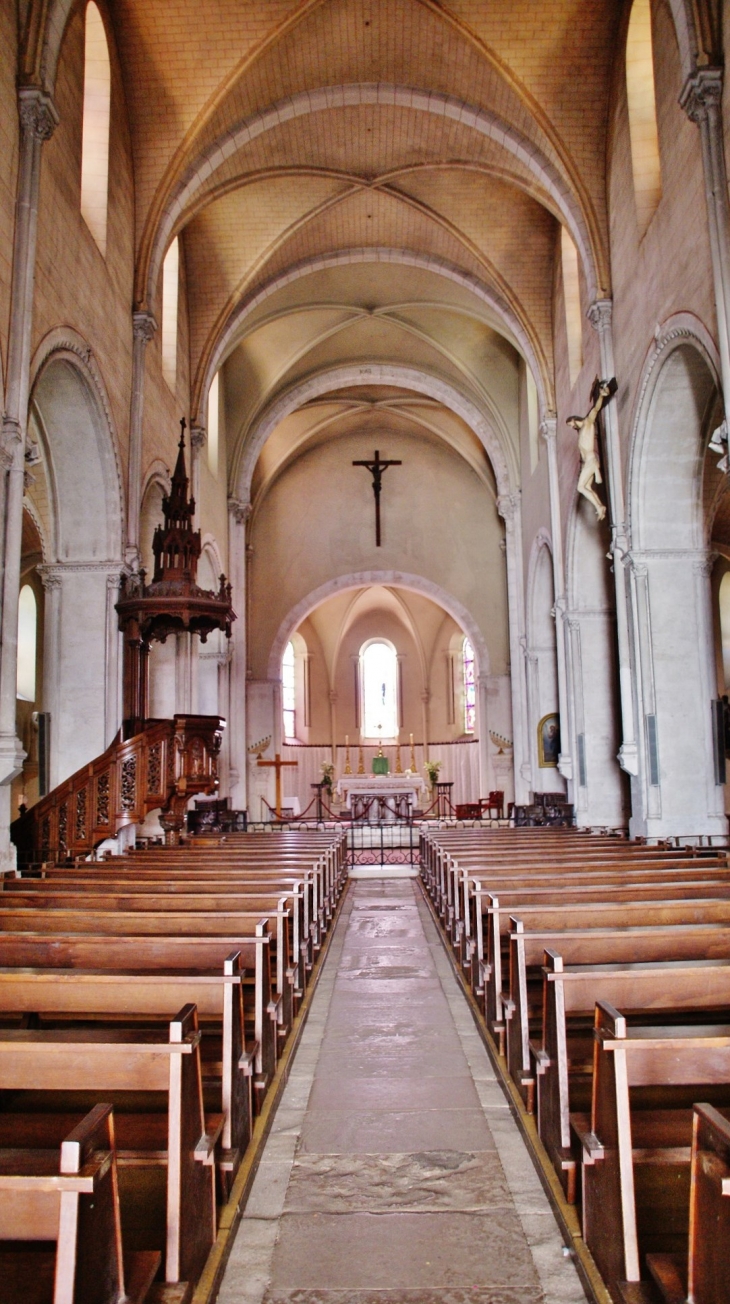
[432, 770]
[328, 774]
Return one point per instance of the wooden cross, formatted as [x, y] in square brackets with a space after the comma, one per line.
[376, 469]
[277, 764]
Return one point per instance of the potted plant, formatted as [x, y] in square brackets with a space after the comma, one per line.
[328, 775]
[432, 770]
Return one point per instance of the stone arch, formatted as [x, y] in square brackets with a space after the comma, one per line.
[542, 656]
[402, 257]
[84, 395]
[401, 377]
[390, 579]
[482, 121]
[675, 793]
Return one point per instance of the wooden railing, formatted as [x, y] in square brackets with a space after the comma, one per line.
[160, 768]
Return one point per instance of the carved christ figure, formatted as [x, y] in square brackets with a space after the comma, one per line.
[588, 447]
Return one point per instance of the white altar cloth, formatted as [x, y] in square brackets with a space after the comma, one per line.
[380, 785]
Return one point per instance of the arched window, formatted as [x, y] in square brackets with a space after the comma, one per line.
[213, 420]
[170, 278]
[289, 691]
[27, 639]
[571, 298]
[95, 130]
[642, 114]
[470, 687]
[379, 680]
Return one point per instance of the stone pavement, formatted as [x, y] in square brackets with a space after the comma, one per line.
[394, 1170]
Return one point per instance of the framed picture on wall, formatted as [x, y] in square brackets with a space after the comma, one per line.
[548, 742]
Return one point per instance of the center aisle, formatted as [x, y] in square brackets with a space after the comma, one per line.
[394, 1170]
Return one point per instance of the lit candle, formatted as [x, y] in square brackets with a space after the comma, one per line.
[411, 740]
[347, 740]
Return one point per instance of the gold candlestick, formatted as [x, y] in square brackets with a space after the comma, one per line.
[413, 757]
[398, 766]
[348, 767]
[361, 761]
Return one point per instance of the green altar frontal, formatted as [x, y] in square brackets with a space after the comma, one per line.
[381, 765]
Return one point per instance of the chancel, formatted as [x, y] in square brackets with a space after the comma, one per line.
[364, 652]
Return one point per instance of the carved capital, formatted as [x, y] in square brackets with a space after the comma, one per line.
[198, 436]
[508, 506]
[11, 437]
[144, 326]
[50, 578]
[704, 565]
[600, 314]
[239, 511]
[549, 428]
[700, 93]
[37, 112]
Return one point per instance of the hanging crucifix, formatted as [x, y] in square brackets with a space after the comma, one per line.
[376, 469]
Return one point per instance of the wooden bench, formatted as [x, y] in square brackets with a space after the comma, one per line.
[177, 1143]
[703, 1276]
[144, 954]
[561, 1062]
[71, 1197]
[636, 1142]
[59, 997]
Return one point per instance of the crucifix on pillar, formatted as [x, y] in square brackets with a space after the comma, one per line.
[376, 469]
[277, 764]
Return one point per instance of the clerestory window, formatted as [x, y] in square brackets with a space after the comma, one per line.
[95, 128]
[379, 688]
[289, 692]
[640, 92]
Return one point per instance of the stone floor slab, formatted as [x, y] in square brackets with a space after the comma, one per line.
[429, 1180]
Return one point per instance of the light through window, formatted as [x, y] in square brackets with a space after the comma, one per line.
[27, 633]
[289, 692]
[95, 130]
[379, 668]
[170, 278]
[470, 688]
[642, 114]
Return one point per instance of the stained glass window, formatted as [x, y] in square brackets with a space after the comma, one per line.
[470, 687]
[289, 692]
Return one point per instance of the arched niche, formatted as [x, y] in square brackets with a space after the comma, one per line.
[675, 792]
[543, 701]
[592, 663]
[70, 417]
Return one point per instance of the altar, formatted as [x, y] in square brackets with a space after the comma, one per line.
[375, 797]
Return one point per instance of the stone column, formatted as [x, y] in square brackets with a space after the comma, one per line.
[51, 658]
[485, 776]
[143, 329]
[509, 509]
[112, 700]
[701, 99]
[38, 120]
[333, 724]
[600, 315]
[238, 514]
[197, 443]
[425, 720]
[549, 432]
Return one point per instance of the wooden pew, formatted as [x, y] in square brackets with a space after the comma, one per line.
[59, 997]
[144, 954]
[636, 1142]
[70, 1197]
[523, 1004]
[703, 1276]
[193, 904]
[177, 1143]
[648, 991]
[610, 909]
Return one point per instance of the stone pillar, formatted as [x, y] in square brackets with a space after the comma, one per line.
[143, 329]
[38, 120]
[485, 776]
[599, 315]
[509, 509]
[701, 99]
[51, 658]
[425, 719]
[591, 667]
[238, 514]
[186, 677]
[674, 793]
[112, 699]
[197, 443]
[549, 432]
[333, 724]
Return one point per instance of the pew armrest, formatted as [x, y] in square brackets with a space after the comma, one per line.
[206, 1146]
[508, 1007]
[591, 1147]
[540, 1059]
[248, 1060]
